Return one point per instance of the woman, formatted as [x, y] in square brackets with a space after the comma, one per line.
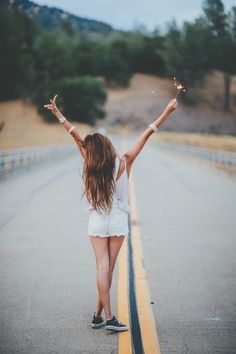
[105, 178]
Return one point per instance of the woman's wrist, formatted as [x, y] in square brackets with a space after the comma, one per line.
[60, 117]
[58, 114]
[161, 119]
[67, 125]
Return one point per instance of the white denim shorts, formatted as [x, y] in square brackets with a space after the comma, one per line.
[116, 223]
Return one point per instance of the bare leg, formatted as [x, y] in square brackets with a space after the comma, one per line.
[114, 245]
[99, 306]
[100, 247]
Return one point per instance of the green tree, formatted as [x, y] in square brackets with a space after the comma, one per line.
[53, 57]
[230, 54]
[222, 28]
[16, 59]
[109, 59]
[88, 57]
[83, 98]
[68, 28]
[53, 61]
[188, 53]
[174, 51]
[116, 66]
[146, 53]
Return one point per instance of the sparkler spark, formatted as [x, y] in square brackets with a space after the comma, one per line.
[154, 92]
[179, 87]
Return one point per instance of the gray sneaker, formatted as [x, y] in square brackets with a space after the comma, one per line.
[115, 325]
[97, 322]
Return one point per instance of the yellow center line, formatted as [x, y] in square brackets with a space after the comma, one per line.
[146, 318]
[125, 342]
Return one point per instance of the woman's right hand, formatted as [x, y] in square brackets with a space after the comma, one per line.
[171, 106]
[52, 106]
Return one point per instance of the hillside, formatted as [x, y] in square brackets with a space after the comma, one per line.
[52, 17]
[21, 125]
[137, 105]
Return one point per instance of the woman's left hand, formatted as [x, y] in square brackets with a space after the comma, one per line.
[171, 106]
[52, 105]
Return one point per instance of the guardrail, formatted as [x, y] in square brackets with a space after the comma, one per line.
[18, 158]
[220, 156]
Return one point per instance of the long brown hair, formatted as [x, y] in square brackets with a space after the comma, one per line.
[98, 171]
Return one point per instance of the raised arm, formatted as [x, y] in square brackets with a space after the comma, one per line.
[67, 125]
[133, 152]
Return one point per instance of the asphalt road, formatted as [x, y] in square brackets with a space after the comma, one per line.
[47, 268]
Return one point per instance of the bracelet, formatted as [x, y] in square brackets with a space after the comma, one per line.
[62, 119]
[154, 127]
[71, 129]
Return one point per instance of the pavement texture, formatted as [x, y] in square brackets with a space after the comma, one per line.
[187, 212]
[47, 267]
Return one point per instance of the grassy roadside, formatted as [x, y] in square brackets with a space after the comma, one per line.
[209, 141]
[23, 127]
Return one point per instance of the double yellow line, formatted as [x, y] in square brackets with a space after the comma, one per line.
[149, 338]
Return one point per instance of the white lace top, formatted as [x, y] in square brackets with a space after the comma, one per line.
[122, 187]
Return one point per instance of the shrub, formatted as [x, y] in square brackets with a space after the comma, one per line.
[80, 99]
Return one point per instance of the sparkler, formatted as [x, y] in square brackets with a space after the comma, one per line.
[179, 87]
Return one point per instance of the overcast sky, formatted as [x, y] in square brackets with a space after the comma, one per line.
[125, 14]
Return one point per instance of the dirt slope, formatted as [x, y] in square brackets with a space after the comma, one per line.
[23, 126]
[137, 105]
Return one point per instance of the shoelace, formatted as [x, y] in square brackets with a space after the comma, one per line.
[116, 319]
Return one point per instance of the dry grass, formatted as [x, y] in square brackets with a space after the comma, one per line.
[209, 141]
[23, 126]
[136, 105]
[212, 92]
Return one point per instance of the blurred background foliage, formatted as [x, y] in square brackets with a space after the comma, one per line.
[38, 61]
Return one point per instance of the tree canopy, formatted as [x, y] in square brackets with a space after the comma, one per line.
[36, 64]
